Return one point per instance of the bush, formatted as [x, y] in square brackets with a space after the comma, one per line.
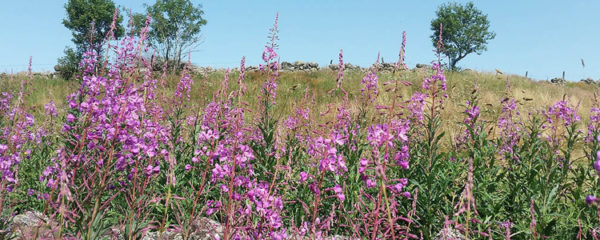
[68, 66]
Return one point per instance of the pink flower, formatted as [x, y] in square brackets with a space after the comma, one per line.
[363, 165]
[303, 177]
[50, 109]
[339, 193]
[397, 188]
[70, 118]
[370, 183]
[150, 170]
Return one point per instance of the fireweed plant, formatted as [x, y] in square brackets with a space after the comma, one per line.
[125, 158]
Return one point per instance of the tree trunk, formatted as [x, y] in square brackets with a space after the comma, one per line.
[167, 57]
[453, 62]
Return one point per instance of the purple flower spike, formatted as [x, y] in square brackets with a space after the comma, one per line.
[590, 199]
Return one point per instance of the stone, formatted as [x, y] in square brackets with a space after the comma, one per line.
[339, 237]
[201, 229]
[387, 67]
[25, 225]
[287, 66]
[349, 66]
[588, 81]
[167, 235]
[558, 81]
[421, 65]
[449, 233]
[206, 228]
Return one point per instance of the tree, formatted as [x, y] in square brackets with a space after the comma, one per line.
[90, 21]
[175, 28]
[82, 14]
[68, 65]
[465, 30]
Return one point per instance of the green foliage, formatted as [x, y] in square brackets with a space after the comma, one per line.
[83, 14]
[174, 29]
[68, 64]
[137, 21]
[465, 30]
[89, 21]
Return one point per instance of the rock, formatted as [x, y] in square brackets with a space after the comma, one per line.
[349, 66]
[167, 235]
[558, 81]
[286, 66]
[449, 233]
[26, 224]
[421, 65]
[588, 81]
[201, 229]
[201, 70]
[387, 67]
[251, 68]
[206, 228]
[295, 236]
[338, 237]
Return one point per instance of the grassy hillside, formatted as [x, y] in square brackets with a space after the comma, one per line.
[531, 95]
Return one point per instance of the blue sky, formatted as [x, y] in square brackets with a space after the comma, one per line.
[543, 37]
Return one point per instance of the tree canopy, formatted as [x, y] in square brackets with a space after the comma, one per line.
[465, 30]
[89, 21]
[175, 28]
[82, 14]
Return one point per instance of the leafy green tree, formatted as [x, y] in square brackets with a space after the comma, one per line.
[68, 65]
[465, 30]
[82, 14]
[89, 21]
[175, 28]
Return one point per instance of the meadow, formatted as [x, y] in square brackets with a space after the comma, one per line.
[122, 152]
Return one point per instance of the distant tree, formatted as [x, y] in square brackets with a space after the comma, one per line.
[137, 21]
[67, 65]
[89, 22]
[174, 29]
[465, 30]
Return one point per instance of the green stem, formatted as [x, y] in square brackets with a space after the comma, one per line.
[94, 214]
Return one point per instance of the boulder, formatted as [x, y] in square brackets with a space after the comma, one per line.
[421, 65]
[287, 66]
[167, 235]
[558, 81]
[251, 68]
[449, 233]
[588, 81]
[387, 67]
[25, 225]
[201, 229]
